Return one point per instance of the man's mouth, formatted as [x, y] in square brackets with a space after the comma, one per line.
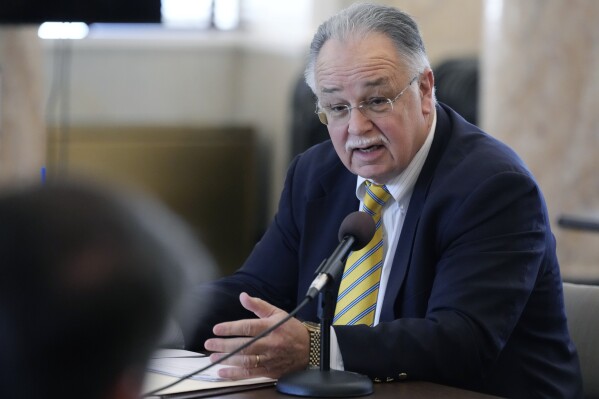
[366, 145]
[369, 149]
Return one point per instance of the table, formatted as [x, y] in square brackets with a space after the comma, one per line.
[408, 390]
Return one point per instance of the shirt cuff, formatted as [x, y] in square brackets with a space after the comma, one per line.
[336, 358]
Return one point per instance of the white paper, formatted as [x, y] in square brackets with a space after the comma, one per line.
[155, 381]
[161, 353]
[179, 363]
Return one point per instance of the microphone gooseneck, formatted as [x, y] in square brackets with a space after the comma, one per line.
[356, 230]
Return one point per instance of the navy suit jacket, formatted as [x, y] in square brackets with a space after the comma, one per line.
[474, 297]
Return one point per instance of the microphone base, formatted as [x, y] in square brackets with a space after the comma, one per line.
[325, 384]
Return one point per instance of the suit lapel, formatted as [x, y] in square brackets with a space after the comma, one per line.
[403, 254]
[328, 205]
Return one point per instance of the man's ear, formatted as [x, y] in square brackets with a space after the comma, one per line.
[127, 386]
[426, 87]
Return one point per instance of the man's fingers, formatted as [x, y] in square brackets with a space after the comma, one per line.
[282, 351]
[260, 308]
[224, 345]
[248, 327]
[243, 366]
[239, 328]
[249, 361]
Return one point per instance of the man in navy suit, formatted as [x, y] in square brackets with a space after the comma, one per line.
[470, 292]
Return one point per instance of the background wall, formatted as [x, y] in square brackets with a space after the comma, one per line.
[199, 79]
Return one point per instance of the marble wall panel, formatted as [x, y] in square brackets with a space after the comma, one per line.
[540, 95]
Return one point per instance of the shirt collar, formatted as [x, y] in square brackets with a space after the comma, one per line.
[403, 184]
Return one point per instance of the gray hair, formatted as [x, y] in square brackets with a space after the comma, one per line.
[361, 19]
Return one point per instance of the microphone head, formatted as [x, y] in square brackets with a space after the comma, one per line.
[359, 225]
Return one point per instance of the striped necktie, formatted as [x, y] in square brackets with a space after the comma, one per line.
[356, 301]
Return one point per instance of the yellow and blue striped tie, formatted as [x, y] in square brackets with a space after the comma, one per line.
[356, 301]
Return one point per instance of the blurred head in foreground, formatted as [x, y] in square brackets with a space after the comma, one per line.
[88, 277]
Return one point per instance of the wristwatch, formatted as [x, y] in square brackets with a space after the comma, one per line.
[314, 355]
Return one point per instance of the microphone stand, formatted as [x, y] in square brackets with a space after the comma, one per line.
[325, 382]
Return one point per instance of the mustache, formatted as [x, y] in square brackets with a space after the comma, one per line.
[365, 142]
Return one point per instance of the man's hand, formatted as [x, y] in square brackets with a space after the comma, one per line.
[282, 351]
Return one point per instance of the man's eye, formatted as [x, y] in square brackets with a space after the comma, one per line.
[378, 104]
[377, 101]
[338, 108]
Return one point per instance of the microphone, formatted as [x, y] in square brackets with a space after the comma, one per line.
[355, 232]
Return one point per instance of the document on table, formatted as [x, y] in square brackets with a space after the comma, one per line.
[179, 363]
[168, 365]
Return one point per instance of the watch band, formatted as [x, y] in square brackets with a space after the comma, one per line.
[314, 355]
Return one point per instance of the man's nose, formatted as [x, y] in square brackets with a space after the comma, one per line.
[358, 123]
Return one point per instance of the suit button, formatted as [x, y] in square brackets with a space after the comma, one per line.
[403, 376]
[389, 379]
[376, 379]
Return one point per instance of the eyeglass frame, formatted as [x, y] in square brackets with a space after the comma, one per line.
[322, 117]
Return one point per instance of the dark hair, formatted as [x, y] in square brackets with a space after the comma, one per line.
[86, 282]
[361, 19]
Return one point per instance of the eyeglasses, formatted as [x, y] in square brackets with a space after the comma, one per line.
[372, 108]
